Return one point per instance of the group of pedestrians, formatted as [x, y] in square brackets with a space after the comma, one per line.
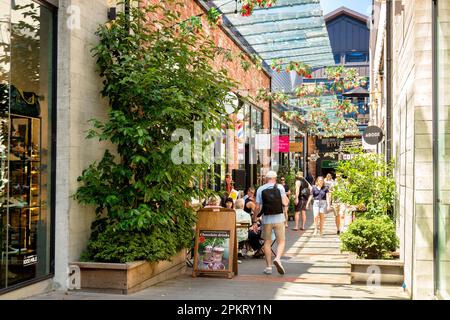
[320, 195]
[267, 210]
[272, 202]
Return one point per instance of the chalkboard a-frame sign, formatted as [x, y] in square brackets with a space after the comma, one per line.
[215, 251]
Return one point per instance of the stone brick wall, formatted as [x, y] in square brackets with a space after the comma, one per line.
[412, 119]
[78, 100]
[444, 146]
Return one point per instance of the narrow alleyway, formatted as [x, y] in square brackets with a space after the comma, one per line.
[315, 269]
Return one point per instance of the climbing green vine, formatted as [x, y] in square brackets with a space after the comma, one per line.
[157, 80]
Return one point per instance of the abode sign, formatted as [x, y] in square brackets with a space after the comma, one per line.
[373, 135]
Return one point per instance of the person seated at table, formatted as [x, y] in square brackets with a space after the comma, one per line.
[229, 203]
[213, 202]
[223, 199]
[249, 199]
[241, 218]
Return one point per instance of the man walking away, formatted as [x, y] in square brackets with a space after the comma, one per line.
[270, 199]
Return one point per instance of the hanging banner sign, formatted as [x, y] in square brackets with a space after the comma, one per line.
[283, 144]
[296, 147]
[262, 141]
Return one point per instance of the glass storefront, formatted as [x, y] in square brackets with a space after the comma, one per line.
[254, 167]
[26, 100]
[443, 151]
[239, 154]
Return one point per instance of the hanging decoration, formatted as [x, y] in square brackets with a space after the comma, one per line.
[248, 6]
[317, 116]
[275, 97]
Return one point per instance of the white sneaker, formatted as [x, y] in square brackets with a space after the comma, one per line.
[268, 270]
[315, 232]
[279, 266]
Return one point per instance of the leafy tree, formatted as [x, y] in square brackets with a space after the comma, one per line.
[158, 77]
[368, 183]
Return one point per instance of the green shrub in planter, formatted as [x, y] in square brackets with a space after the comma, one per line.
[371, 238]
[159, 77]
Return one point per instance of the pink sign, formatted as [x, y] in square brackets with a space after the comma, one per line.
[282, 144]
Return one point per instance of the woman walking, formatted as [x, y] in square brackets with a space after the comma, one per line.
[322, 203]
[302, 192]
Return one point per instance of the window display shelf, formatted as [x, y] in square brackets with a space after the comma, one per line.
[20, 209]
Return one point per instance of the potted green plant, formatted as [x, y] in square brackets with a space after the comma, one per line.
[368, 189]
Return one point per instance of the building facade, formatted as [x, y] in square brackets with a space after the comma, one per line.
[49, 89]
[409, 101]
[349, 35]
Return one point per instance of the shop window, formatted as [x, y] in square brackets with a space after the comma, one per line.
[354, 57]
[337, 58]
[26, 100]
[256, 119]
[284, 130]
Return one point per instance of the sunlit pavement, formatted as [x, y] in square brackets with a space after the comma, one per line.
[315, 269]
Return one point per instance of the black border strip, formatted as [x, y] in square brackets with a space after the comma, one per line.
[53, 141]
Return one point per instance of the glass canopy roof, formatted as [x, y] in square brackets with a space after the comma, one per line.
[292, 30]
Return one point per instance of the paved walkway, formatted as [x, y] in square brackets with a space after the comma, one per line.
[315, 269]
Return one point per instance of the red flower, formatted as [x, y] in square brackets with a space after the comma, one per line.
[246, 10]
[201, 239]
[308, 76]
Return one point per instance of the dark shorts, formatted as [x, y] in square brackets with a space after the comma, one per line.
[301, 205]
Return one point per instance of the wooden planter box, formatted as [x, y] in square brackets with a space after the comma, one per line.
[125, 278]
[362, 271]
